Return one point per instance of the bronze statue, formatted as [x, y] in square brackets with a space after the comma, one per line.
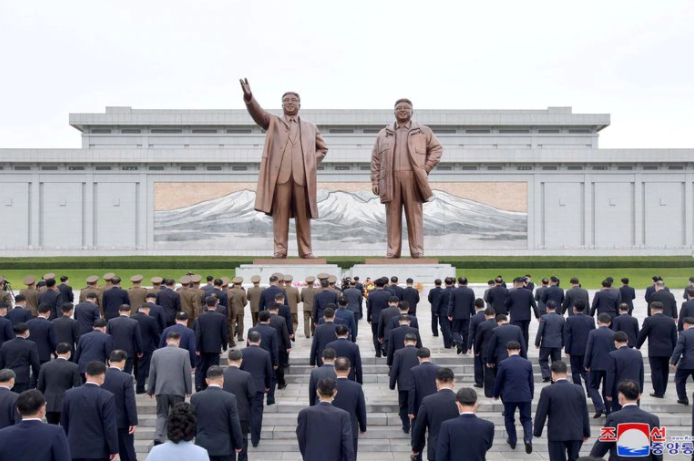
[402, 158]
[287, 179]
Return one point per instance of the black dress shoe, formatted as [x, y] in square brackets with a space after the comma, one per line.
[282, 386]
[479, 386]
[406, 430]
[255, 445]
[652, 394]
[459, 349]
[545, 380]
[597, 415]
[435, 336]
[683, 402]
[528, 447]
[512, 445]
[157, 442]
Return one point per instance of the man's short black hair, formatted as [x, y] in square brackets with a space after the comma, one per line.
[62, 348]
[100, 323]
[329, 354]
[30, 402]
[624, 307]
[254, 336]
[393, 300]
[404, 318]
[211, 301]
[44, 308]
[437, 282]
[445, 375]
[423, 353]
[579, 305]
[393, 279]
[50, 283]
[462, 280]
[264, 316]
[124, 308]
[326, 387]
[479, 303]
[688, 320]
[410, 338]
[656, 305]
[215, 372]
[236, 355]
[118, 355]
[182, 316]
[63, 278]
[404, 306]
[150, 295]
[342, 301]
[341, 330]
[604, 318]
[625, 281]
[513, 346]
[559, 367]
[329, 313]
[551, 304]
[20, 328]
[630, 389]
[342, 364]
[7, 375]
[410, 281]
[574, 281]
[466, 396]
[92, 295]
[501, 318]
[489, 311]
[19, 298]
[174, 335]
[621, 337]
[96, 368]
[67, 307]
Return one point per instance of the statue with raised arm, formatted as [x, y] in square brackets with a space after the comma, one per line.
[404, 154]
[287, 179]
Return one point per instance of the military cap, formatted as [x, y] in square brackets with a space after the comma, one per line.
[109, 276]
[237, 280]
[332, 279]
[29, 280]
[255, 279]
[323, 276]
[136, 278]
[310, 279]
[288, 277]
[49, 276]
[225, 281]
[92, 279]
[195, 278]
[156, 280]
[185, 280]
[279, 275]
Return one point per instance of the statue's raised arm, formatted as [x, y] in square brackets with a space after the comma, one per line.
[259, 115]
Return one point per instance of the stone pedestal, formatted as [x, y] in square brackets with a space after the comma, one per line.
[421, 270]
[298, 268]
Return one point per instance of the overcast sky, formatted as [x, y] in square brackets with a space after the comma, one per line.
[632, 59]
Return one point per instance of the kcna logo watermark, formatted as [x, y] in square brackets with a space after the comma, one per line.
[638, 439]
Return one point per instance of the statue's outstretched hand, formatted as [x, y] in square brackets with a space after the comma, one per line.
[246, 87]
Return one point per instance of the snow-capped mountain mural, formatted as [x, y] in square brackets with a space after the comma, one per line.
[347, 219]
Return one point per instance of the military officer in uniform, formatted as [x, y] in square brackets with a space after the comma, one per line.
[31, 294]
[237, 303]
[253, 296]
[156, 284]
[190, 299]
[307, 294]
[137, 294]
[293, 298]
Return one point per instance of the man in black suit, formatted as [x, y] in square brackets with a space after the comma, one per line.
[434, 410]
[467, 436]
[572, 294]
[501, 335]
[441, 309]
[326, 370]
[94, 346]
[20, 356]
[267, 296]
[241, 384]
[411, 295]
[219, 426]
[627, 294]
[624, 363]
[113, 299]
[496, 296]
[156, 311]
[67, 329]
[605, 301]
[170, 301]
[514, 380]
[126, 335]
[519, 303]
[211, 337]
[433, 298]
[682, 360]
[355, 299]
[664, 297]
[284, 311]
[187, 336]
[50, 297]
[576, 330]
[564, 406]
[324, 334]
[349, 350]
[549, 339]
[66, 294]
[269, 337]
[8, 399]
[87, 313]
[597, 362]
[475, 322]
[55, 378]
[284, 347]
[42, 333]
[150, 339]
[661, 333]
[385, 321]
[31, 439]
[626, 323]
[350, 397]
[423, 385]
[18, 314]
[403, 361]
[6, 332]
[687, 309]
[396, 338]
[120, 384]
[481, 347]
[376, 303]
[258, 362]
[538, 296]
[461, 306]
[89, 417]
[629, 394]
[396, 289]
[553, 292]
[324, 432]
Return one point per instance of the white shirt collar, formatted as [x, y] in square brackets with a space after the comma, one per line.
[32, 419]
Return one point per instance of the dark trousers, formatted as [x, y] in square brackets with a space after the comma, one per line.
[142, 371]
[165, 403]
[434, 324]
[53, 417]
[223, 458]
[659, 374]
[257, 416]
[525, 419]
[207, 360]
[681, 376]
[243, 455]
[489, 381]
[374, 332]
[598, 398]
[126, 445]
[273, 384]
[545, 354]
[564, 451]
[20, 387]
[403, 403]
[577, 370]
[479, 370]
[461, 332]
[446, 331]
[35, 378]
[524, 326]
[128, 368]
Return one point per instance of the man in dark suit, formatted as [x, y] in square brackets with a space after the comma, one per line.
[433, 411]
[66, 294]
[576, 330]
[433, 298]
[346, 317]
[549, 339]
[538, 296]
[114, 298]
[628, 295]
[269, 340]
[572, 294]
[284, 347]
[564, 406]
[626, 323]
[605, 301]
[663, 296]
[597, 362]
[624, 363]
[55, 378]
[403, 361]
[211, 337]
[156, 311]
[376, 303]
[6, 332]
[501, 335]
[324, 334]
[514, 381]
[94, 346]
[349, 350]
[258, 363]
[50, 296]
[89, 417]
[411, 295]
[629, 394]
[170, 301]
[396, 289]
[120, 384]
[8, 399]
[385, 321]
[403, 309]
[682, 360]
[283, 311]
[475, 322]
[661, 333]
[519, 303]
[482, 338]
[150, 340]
[496, 296]
[18, 314]
[687, 309]
[42, 333]
[187, 336]
[126, 335]
[553, 292]
[87, 313]
[67, 329]
[350, 397]
[31, 439]
[268, 295]
[326, 370]
[466, 437]
[396, 338]
[461, 306]
[20, 356]
[423, 382]
[441, 309]
[355, 300]
[325, 431]
[241, 384]
[219, 426]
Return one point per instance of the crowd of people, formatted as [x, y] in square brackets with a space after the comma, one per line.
[81, 365]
